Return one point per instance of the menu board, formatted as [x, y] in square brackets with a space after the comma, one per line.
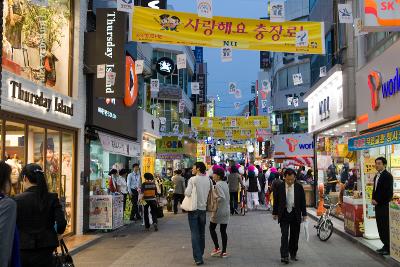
[394, 216]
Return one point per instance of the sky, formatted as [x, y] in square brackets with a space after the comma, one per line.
[245, 66]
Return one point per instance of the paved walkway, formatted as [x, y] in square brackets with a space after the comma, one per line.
[254, 240]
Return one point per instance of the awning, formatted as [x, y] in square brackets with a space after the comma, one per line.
[120, 146]
[299, 161]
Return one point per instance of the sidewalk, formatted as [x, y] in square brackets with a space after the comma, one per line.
[368, 246]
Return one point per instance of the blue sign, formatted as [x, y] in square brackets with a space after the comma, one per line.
[392, 86]
[198, 53]
[382, 138]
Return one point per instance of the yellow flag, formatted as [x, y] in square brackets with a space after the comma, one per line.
[179, 28]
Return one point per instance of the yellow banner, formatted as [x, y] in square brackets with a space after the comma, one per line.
[235, 134]
[231, 149]
[148, 165]
[201, 150]
[234, 122]
[179, 28]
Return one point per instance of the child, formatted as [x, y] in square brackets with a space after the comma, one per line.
[149, 190]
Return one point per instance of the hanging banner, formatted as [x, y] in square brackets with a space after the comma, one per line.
[232, 88]
[238, 94]
[125, 6]
[235, 134]
[172, 27]
[345, 13]
[270, 109]
[139, 65]
[264, 103]
[226, 54]
[181, 106]
[265, 86]
[297, 79]
[204, 8]
[181, 61]
[379, 15]
[195, 87]
[302, 39]
[322, 71]
[277, 10]
[232, 149]
[217, 123]
[154, 85]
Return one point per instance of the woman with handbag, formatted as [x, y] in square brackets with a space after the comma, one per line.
[221, 214]
[39, 219]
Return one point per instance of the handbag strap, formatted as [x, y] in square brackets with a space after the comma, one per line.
[64, 248]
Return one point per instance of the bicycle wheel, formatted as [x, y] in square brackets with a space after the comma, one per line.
[325, 230]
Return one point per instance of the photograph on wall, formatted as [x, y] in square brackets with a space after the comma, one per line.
[37, 42]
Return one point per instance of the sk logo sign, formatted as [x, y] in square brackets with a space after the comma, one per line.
[375, 85]
[292, 143]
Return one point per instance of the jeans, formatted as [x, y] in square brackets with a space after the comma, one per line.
[197, 223]
[214, 236]
[153, 206]
[177, 198]
[234, 201]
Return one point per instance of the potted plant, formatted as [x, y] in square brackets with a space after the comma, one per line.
[169, 189]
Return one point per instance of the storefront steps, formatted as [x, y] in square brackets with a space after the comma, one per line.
[366, 245]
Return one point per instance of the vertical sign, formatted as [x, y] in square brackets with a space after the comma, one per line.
[201, 78]
[110, 40]
[198, 54]
[264, 60]
[277, 10]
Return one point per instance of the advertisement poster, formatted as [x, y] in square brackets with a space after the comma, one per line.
[37, 43]
[100, 213]
[118, 213]
[394, 215]
[369, 174]
[148, 165]
[172, 27]
[293, 145]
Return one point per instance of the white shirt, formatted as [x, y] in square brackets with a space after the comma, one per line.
[289, 197]
[134, 181]
[122, 186]
[202, 184]
[377, 179]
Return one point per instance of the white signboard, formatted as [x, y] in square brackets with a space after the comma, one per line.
[226, 54]
[238, 94]
[232, 88]
[154, 85]
[297, 79]
[296, 102]
[163, 120]
[302, 119]
[302, 39]
[119, 146]
[139, 65]
[293, 145]
[237, 105]
[204, 8]
[381, 15]
[125, 6]
[265, 86]
[280, 121]
[322, 71]
[289, 100]
[195, 87]
[101, 71]
[181, 61]
[277, 10]
[345, 13]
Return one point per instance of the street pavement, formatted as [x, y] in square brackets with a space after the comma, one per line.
[253, 240]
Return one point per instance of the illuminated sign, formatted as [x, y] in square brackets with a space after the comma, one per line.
[165, 66]
[388, 88]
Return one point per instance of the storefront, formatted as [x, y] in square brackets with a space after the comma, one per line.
[331, 112]
[378, 123]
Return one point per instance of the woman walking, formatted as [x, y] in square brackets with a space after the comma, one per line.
[39, 219]
[253, 189]
[221, 215]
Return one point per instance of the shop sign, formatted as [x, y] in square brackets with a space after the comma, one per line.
[155, 4]
[165, 66]
[293, 145]
[148, 164]
[201, 150]
[169, 145]
[169, 156]
[119, 146]
[172, 27]
[110, 50]
[38, 99]
[382, 138]
[381, 15]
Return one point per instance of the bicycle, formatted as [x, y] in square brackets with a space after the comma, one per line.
[325, 226]
[243, 201]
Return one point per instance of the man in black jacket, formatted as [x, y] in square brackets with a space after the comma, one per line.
[290, 210]
[382, 194]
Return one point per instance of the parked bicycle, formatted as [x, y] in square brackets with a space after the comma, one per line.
[325, 225]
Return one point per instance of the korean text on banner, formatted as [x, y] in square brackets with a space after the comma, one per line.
[241, 122]
[172, 27]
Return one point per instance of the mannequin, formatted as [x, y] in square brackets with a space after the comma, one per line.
[16, 170]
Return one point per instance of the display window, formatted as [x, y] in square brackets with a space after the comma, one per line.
[53, 148]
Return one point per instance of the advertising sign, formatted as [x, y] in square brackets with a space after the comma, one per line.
[293, 145]
[165, 66]
[253, 122]
[37, 42]
[110, 40]
[172, 145]
[172, 27]
[148, 164]
[100, 212]
[381, 15]
[198, 54]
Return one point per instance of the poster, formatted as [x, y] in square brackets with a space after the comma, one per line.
[148, 164]
[226, 54]
[125, 6]
[345, 13]
[118, 211]
[302, 39]
[232, 88]
[265, 86]
[238, 94]
[188, 29]
[139, 65]
[204, 8]
[277, 11]
[154, 85]
[195, 87]
[297, 79]
[37, 45]
[322, 71]
[264, 103]
[394, 219]
[181, 61]
[101, 71]
[100, 212]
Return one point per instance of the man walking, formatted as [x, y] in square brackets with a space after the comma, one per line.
[382, 194]
[134, 184]
[179, 189]
[290, 210]
[197, 218]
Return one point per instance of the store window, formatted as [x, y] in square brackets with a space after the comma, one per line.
[52, 156]
[67, 170]
[36, 145]
[15, 142]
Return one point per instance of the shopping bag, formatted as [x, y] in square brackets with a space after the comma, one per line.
[212, 204]
[304, 225]
[190, 203]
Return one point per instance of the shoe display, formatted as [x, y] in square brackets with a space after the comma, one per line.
[216, 252]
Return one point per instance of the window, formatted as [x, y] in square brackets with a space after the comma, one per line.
[52, 155]
[36, 145]
[304, 69]
[67, 170]
[282, 79]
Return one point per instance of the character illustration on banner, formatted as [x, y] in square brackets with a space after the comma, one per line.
[169, 23]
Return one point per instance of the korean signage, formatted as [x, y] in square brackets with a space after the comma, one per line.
[378, 90]
[239, 122]
[381, 15]
[37, 42]
[264, 60]
[119, 146]
[293, 145]
[201, 79]
[382, 138]
[171, 27]
[172, 145]
[198, 54]
[110, 41]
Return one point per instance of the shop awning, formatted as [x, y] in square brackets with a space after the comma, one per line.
[120, 146]
[299, 161]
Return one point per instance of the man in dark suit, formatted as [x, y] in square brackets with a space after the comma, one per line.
[290, 210]
[382, 194]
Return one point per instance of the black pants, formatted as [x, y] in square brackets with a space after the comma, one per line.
[261, 196]
[153, 206]
[125, 196]
[37, 257]
[135, 209]
[382, 221]
[214, 236]
[233, 201]
[177, 198]
[289, 224]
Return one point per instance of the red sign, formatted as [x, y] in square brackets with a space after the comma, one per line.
[131, 83]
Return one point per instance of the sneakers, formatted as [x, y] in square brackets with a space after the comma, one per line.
[224, 255]
[216, 252]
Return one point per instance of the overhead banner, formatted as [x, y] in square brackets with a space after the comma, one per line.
[232, 149]
[234, 122]
[235, 134]
[179, 28]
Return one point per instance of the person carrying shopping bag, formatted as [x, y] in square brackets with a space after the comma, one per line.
[221, 214]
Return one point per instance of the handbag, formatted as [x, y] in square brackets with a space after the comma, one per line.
[212, 204]
[160, 211]
[190, 203]
[64, 259]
